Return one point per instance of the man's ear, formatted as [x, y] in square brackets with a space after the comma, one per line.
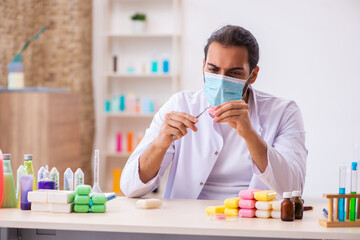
[254, 75]
[204, 65]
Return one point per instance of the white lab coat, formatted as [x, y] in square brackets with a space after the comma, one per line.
[278, 121]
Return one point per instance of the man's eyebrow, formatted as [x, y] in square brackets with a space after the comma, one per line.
[236, 68]
[213, 65]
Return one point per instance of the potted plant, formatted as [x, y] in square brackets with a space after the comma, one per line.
[139, 21]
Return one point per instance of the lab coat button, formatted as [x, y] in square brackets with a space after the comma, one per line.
[260, 130]
[216, 153]
[201, 183]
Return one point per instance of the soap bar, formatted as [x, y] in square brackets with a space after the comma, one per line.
[61, 207]
[247, 213]
[248, 193]
[81, 208]
[275, 214]
[98, 208]
[231, 212]
[80, 199]
[98, 199]
[263, 205]
[212, 111]
[246, 203]
[83, 189]
[276, 205]
[39, 196]
[232, 202]
[266, 195]
[215, 210]
[40, 207]
[149, 203]
[263, 213]
[220, 216]
[61, 196]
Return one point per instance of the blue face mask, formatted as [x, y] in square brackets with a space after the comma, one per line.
[219, 88]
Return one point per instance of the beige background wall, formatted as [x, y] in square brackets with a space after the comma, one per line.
[61, 57]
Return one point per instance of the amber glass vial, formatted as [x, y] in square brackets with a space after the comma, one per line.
[287, 208]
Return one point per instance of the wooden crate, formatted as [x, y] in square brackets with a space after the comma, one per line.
[333, 221]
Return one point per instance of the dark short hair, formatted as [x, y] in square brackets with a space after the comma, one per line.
[230, 35]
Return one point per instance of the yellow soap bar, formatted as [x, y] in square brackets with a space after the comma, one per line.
[215, 209]
[232, 202]
[231, 212]
[266, 195]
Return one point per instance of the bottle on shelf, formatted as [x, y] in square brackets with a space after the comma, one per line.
[166, 64]
[9, 195]
[119, 142]
[116, 180]
[154, 64]
[130, 103]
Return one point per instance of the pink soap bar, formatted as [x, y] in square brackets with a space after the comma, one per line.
[248, 193]
[247, 203]
[220, 216]
[247, 213]
[212, 111]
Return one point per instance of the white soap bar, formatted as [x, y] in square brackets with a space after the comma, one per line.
[149, 203]
[263, 205]
[61, 196]
[39, 196]
[263, 213]
[61, 207]
[275, 214]
[276, 206]
[40, 207]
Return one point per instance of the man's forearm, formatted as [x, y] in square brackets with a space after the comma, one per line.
[150, 161]
[258, 150]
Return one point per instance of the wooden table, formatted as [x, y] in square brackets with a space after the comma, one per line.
[176, 219]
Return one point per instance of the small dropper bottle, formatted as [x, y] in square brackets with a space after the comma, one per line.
[287, 208]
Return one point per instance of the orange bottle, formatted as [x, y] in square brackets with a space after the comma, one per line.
[130, 137]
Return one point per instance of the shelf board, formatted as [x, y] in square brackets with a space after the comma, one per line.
[142, 35]
[129, 115]
[118, 155]
[139, 76]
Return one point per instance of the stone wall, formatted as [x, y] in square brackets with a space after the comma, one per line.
[61, 57]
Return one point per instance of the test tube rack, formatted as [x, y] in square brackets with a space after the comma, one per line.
[333, 221]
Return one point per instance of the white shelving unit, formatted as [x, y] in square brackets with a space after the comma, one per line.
[113, 35]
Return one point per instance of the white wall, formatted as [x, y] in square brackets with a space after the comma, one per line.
[309, 52]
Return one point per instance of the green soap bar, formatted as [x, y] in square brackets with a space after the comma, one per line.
[98, 208]
[81, 208]
[79, 199]
[99, 198]
[83, 189]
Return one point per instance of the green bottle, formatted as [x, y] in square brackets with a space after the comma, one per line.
[29, 169]
[9, 197]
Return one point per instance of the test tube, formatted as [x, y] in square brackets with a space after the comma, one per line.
[353, 188]
[342, 186]
[96, 187]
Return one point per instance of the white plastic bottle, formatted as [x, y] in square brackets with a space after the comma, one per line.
[68, 180]
[79, 178]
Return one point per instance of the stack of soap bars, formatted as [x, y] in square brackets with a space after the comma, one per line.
[264, 203]
[51, 201]
[250, 203]
[97, 203]
[84, 204]
[247, 204]
[82, 199]
[232, 207]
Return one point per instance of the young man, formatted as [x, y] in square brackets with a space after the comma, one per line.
[255, 140]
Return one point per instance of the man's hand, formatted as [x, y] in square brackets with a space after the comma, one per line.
[236, 113]
[175, 124]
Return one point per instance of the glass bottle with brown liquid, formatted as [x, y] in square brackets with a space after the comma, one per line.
[287, 208]
[299, 205]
